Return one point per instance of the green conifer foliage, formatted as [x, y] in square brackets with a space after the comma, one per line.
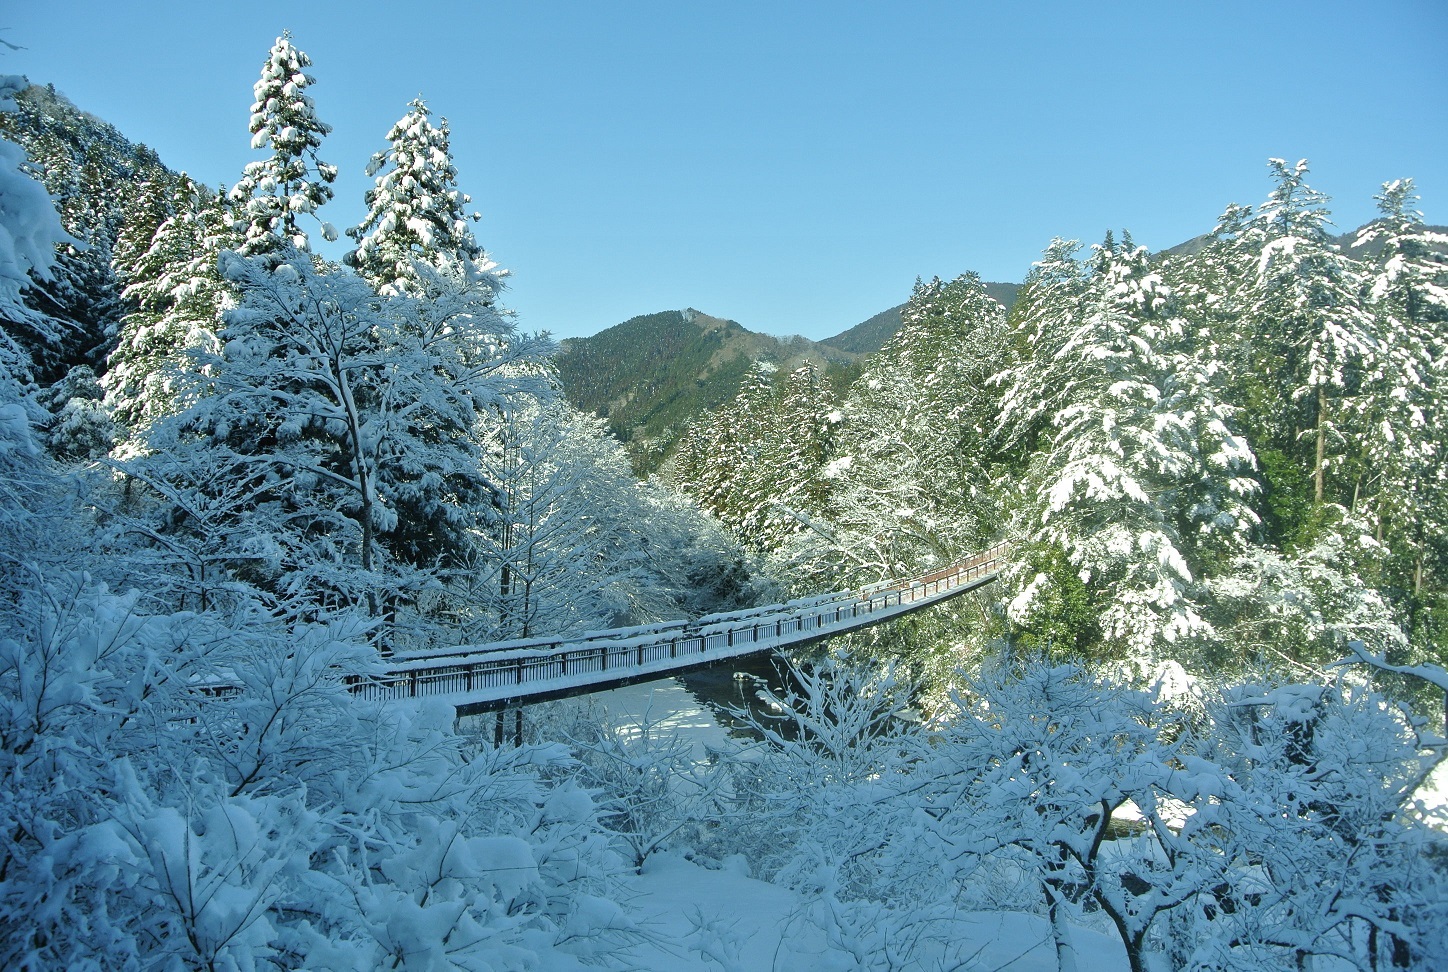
[293, 179]
[415, 211]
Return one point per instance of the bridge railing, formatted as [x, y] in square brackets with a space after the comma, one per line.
[601, 656]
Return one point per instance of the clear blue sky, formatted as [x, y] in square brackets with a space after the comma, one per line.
[793, 166]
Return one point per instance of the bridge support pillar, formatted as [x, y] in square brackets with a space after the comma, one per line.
[500, 727]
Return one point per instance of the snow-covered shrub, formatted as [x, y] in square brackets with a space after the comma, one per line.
[1239, 832]
[1030, 769]
[799, 806]
[652, 790]
[1313, 819]
[177, 790]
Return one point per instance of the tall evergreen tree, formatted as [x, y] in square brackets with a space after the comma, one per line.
[415, 211]
[350, 416]
[1405, 462]
[179, 296]
[1041, 320]
[911, 478]
[1313, 335]
[151, 206]
[104, 187]
[27, 249]
[293, 179]
[1141, 467]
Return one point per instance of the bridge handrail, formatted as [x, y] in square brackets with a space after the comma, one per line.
[542, 642]
[529, 660]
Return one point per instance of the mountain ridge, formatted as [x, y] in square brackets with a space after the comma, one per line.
[648, 375]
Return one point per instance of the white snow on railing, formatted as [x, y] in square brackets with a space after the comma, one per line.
[513, 671]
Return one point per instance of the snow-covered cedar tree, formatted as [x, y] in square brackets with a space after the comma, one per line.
[293, 179]
[1041, 321]
[1140, 468]
[81, 426]
[1312, 333]
[415, 212]
[761, 458]
[179, 294]
[150, 205]
[1405, 413]
[908, 481]
[350, 418]
[715, 466]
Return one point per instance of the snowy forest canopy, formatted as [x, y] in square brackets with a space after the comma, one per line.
[226, 463]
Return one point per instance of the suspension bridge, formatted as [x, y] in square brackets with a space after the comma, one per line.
[503, 675]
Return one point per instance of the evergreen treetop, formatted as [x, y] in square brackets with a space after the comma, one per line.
[293, 179]
[415, 210]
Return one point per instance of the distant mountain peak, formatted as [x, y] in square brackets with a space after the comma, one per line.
[652, 374]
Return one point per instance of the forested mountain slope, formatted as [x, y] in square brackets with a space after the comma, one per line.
[869, 335]
[652, 374]
[111, 195]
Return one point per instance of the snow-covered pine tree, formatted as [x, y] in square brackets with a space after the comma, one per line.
[911, 480]
[1312, 333]
[415, 211]
[728, 480]
[351, 417]
[790, 485]
[293, 180]
[1406, 401]
[1141, 470]
[151, 206]
[100, 182]
[179, 296]
[29, 233]
[1041, 320]
[27, 250]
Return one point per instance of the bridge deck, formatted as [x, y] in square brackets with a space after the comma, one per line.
[482, 678]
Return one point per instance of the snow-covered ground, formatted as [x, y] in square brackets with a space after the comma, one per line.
[706, 920]
[752, 926]
[723, 919]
